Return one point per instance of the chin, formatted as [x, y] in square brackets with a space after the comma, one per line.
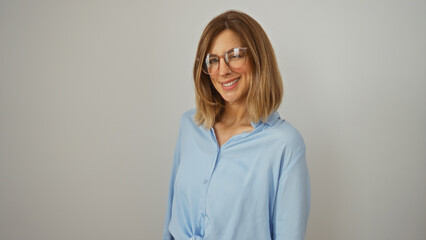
[232, 100]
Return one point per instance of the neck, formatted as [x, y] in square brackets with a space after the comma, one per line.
[235, 113]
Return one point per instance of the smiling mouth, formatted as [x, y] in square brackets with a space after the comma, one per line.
[228, 84]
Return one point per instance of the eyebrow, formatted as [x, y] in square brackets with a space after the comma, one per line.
[208, 52]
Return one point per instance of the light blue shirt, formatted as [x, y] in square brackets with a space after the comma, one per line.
[254, 187]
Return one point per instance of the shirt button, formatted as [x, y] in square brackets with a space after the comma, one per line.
[205, 181]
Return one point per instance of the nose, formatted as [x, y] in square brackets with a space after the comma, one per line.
[223, 68]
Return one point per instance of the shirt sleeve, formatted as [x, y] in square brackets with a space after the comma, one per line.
[292, 204]
[176, 160]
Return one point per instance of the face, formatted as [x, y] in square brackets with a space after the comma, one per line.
[232, 84]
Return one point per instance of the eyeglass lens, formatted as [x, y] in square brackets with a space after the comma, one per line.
[234, 58]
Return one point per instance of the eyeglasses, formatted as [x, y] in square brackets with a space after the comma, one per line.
[234, 58]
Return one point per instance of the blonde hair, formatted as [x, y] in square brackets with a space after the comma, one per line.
[266, 88]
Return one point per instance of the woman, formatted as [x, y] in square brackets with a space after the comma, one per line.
[239, 170]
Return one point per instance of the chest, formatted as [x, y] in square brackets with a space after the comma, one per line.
[224, 133]
[241, 176]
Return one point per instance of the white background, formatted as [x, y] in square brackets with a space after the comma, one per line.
[91, 93]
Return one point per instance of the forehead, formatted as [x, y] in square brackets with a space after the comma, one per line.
[224, 41]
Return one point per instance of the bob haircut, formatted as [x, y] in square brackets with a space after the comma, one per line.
[265, 88]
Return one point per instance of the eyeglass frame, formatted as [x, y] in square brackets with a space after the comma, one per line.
[224, 58]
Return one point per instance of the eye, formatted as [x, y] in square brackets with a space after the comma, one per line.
[213, 60]
[236, 54]
[210, 60]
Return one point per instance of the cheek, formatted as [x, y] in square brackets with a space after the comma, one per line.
[246, 69]
[215, 84]
[213, 81]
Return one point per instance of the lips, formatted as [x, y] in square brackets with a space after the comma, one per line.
[227, 85]
[228, 81]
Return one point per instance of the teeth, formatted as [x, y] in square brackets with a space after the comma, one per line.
[231, 83]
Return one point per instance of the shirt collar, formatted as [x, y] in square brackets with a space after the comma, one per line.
[270, 120]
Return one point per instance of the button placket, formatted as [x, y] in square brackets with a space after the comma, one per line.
[206, 183]
[205, 187]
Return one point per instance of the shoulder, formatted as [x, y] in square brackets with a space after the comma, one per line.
[188, 115]
[286, 134]
[187, 119]
[291, 143]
